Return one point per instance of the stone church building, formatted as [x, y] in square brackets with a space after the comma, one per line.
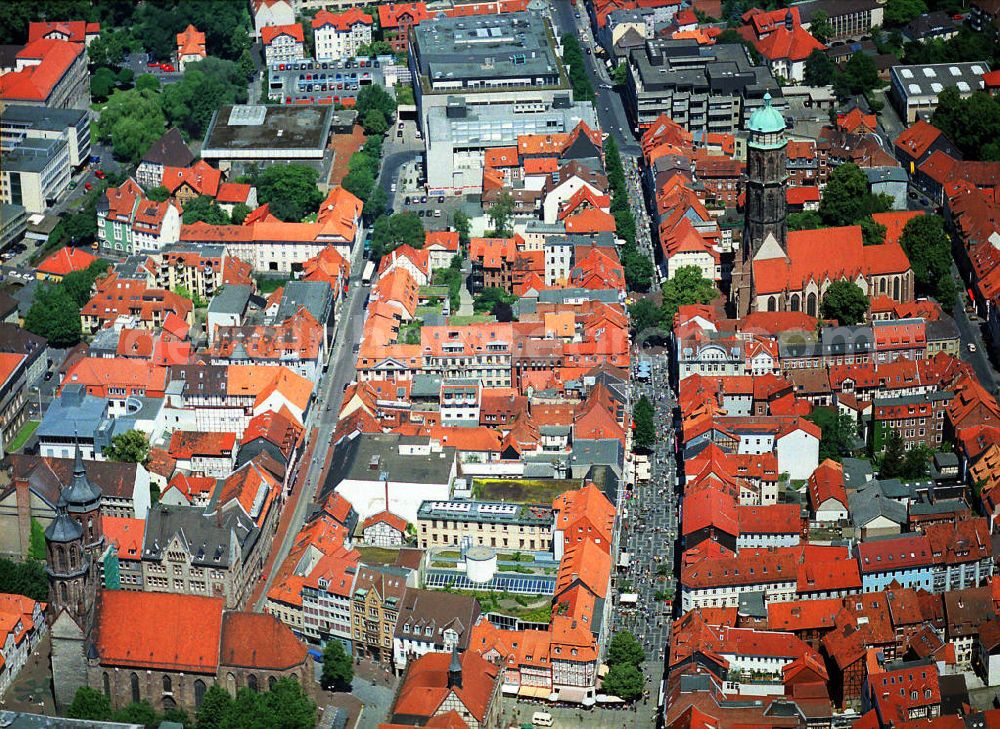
[777, 270]
[163, 648]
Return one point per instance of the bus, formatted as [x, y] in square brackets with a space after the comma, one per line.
[366, 276]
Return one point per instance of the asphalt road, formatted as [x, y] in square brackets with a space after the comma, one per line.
[971, 334]
[610, 110]
[326, 407]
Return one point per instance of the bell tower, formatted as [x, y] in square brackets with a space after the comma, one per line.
[765, 228]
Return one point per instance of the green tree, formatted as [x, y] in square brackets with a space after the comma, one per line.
[583, 90]
[624, 647]
[820, 27]
[973, 124]
[490, 298]
[291, 191]
[36, 550]
[360, 183]
[917, 462]
[247, 65]
[927, 245]
[375, 97]
[644, 314]
[893, 456]
[819, 69]
[131, 122]
[404, 95]
[806, 220]
[687, 286]
[392, 231]
[289, 701]
[24, 578]
[158, 194]
[461, 223]
[860, 75]
[102, 83]
[80, 284]
[838, 433]
[620, 75]
[206, 85]
[204, 208]
[638, 268]
[844, 196]
[374, 123]
[90, 704]
[55, 316]
[846, 302]
[239, 214]
[500, 213]
[148, 82]
[109, 48]
[140, 712]
[375, 48]
[132, 446]
[871, 232]
[125, 77]
[338, 670]
[624, 681]
[376, 203]
[643, 440]
[215, 707]
[901, 12]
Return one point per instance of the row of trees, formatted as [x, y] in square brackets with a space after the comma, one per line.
[644, 417]
[285, 706]
[392, 231]
[583, 90]
[637, 265]
[687, 286]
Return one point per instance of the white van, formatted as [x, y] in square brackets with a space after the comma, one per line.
[541, 718]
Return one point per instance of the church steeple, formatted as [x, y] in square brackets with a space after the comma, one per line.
[83, 501]
[455, 669]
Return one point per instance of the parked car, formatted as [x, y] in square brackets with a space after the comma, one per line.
[972, 347]
[87, 186]
[99, 174]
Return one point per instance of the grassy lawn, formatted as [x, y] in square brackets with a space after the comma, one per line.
[473, 319]
[522, 491]
[22, 436]
[268, 284]
[378, 555]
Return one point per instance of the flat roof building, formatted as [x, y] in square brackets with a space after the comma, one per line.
[267, 133]
[34, 174]
[915, 89]
[488, 59]
[711, 89]
[322, 82]
[460, 131]
[18, 123]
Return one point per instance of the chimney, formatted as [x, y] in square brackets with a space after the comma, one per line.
[23, 503]
[789, 21]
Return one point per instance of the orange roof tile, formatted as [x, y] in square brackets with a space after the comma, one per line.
[66, 260]
[191, 42]
[342, 22]
[260, 641]
[36, 82]
[269, 32]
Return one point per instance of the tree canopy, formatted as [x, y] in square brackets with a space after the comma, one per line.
[838, 433]
[846, 302]
[376, 98]
[205, 209]
[624, 681]
[583, 90]
[819, 69]
[392, 231]
[79, 284]
[860, 76]
[927, 245]
[206, 85]
[24, 578]
[490, 298]
[132, 446]
[901, 12]
[291, 191]
[500, 213]
[846, 199]
[131, 121]
[338, 669]
[643, 439]
[972, 124]
[54, 315]
[687, 286]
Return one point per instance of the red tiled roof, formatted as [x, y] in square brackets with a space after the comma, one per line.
[392, 15]
[259, 641]
[269, 32]
[795, 44]
[386, 517]
[191, 42]
[76, 30]
[66, 260]
[425, 687]
[36, 82]
[342, 22]
[917, 139]
[827, 482]
[185, 444]
[160, 631]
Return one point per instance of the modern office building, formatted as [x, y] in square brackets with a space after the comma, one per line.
[13, 223]
[914, 89]
[705, 89]
[264, 134]
[459, 133]
[489, 59]
[18, 123]
[34, 174]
